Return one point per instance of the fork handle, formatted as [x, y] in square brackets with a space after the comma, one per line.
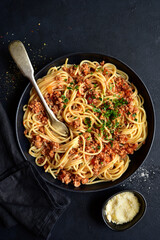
[20, 56]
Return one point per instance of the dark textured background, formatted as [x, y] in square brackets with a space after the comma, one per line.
[128, 30]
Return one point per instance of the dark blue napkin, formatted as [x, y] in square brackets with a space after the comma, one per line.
[24, 196]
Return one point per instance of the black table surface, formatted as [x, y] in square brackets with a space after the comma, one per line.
[128, 30]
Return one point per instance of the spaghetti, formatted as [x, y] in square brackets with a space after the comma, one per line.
[105, 117]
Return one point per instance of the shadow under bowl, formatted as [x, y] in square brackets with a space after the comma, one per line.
[134, 221]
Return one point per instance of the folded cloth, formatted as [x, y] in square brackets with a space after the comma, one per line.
[24, 196]
[6, 219]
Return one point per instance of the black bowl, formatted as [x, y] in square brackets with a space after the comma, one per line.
[134, 221]
[136, 159]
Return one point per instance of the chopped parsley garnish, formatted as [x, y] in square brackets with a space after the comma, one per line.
[133, 115]
[89, 130]
[110, 113]
[119, 102]
[111, 139]
[103, 125]
[69, 88]
[106, 106]
[89, 138]
[77, 87]
[87, 121]
[93, 97]
[99, 68]
[98, 110]
[65, 100]
[110, 110]
[110, 87]
[98, 147]
[116, 124]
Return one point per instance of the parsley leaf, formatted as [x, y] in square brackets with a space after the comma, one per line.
[77, 87]
[65, 100]
[98, 110]
[89, 130]
[116, 124]
[87, 121]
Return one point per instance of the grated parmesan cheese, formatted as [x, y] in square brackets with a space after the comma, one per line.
[122, 208]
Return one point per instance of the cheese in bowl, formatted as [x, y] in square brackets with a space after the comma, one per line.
[122, 208]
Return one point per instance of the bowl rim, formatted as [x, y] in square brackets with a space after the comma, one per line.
[68, 56]
[136, 193]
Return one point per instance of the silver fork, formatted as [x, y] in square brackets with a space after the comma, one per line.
[20, 56]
